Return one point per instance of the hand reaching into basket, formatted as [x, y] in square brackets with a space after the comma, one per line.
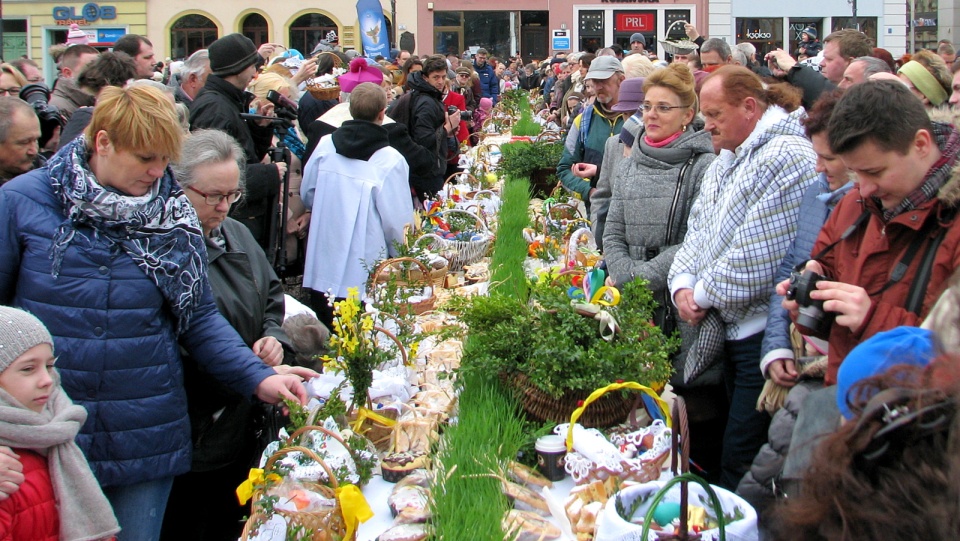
[275, 389]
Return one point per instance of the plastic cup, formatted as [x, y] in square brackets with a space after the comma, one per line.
[551, 451]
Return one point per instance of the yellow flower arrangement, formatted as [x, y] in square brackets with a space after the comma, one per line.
[354, 339]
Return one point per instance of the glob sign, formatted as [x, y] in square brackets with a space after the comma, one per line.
[89, 13]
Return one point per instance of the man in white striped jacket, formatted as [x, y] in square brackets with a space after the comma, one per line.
[739, 230]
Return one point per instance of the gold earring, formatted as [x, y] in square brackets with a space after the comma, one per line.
[683, 128]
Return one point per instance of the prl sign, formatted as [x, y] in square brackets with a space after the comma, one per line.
[90, 12]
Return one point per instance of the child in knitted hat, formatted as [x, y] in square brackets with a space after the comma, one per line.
[59, 498]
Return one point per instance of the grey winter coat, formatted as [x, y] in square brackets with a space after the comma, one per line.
[643, 192]
[600, 200]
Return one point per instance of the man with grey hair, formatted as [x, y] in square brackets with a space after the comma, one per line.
[861, 69]
[750, 51]
[715, 53]
[193, 75]
[738, 57]
[19, 138]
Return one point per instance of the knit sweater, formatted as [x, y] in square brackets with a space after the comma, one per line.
[743, 222]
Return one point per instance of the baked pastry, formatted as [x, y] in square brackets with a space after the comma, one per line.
[396, 466]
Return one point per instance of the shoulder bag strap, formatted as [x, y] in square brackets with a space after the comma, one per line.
[918, 289]
[668, 236]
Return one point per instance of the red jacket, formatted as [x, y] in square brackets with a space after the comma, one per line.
[867, 257]
[458, 101]
[31, 513]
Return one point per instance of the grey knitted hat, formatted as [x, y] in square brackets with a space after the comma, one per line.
[19, 331]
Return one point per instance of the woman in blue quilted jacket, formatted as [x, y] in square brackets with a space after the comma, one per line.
[103, 246]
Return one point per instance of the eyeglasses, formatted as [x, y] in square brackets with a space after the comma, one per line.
[12, 91]
[662, 109]
[463, 75]
[215, 199]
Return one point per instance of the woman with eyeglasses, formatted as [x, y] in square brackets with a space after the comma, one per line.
[11, 80]
[250, 296]
[105, 248]
[653, 189]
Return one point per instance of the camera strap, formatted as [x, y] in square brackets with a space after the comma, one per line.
[846, 234]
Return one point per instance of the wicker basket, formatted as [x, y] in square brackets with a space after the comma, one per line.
[458, 252]
[677, 46]
[330, 92]
[325, 525]
[412, 277]
[638, 469]
[407, 278]
[609, 410]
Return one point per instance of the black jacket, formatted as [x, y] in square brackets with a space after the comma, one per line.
[249, 295]
[423, 114]
[528, 83]
[810, 82]
[218, 106]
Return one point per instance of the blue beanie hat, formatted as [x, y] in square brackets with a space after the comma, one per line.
[903, 345]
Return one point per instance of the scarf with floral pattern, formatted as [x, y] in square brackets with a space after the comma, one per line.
[160, 231]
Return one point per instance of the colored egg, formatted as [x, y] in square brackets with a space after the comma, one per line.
[666, 512]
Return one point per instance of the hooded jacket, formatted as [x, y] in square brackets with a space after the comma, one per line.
[743, 221]
[357, 184]
[423, 114]
[867, 257]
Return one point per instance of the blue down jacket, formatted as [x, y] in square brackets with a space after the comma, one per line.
[117, 350]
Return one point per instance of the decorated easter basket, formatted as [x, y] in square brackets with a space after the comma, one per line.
[604, 460]
[416, 275]
[325, 524]
[460, 252]
[677, 46]
[326, 92]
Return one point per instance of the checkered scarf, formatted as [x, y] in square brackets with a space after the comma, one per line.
[948, 139]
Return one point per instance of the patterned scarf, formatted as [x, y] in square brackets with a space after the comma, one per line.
[160, 231]
[948, 139]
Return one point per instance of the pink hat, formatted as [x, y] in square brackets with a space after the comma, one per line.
[360, 72]
[76, 36]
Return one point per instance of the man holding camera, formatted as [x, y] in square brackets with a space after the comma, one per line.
[233, 64]
[19, 136]
[885, 253]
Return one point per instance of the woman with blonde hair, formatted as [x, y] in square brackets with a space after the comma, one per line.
[104, 247]
[11, 80]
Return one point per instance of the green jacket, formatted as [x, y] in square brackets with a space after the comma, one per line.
[585, 143]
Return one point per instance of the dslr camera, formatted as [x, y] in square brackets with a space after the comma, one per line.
[38, 96]
[464, 115]
[811, 314]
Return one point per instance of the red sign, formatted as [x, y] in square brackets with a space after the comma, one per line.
[634, 22]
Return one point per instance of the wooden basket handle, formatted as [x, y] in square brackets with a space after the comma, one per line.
[386, 263]
[680, 438]
[313, 456]
[595, 395]
[390, 335]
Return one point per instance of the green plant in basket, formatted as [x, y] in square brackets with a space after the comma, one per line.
[514, 101]
[557, 349]
[520, 159]
[526, 125]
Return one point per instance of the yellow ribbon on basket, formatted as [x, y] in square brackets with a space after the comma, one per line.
[354, 507]
[255, 479]
[366, 413]
[615, 387]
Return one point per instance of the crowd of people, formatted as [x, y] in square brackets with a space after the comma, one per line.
[794, 215]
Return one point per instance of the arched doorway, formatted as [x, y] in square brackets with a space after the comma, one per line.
[190, 34]
[308, 29]
[255, 27]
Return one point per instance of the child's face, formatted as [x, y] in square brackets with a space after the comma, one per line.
[29, 379]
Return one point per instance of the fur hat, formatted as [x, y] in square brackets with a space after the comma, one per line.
[232, 54]
[19, 331]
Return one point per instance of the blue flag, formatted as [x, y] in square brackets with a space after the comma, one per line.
[373, 29]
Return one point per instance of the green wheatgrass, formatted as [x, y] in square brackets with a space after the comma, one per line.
[467, 502]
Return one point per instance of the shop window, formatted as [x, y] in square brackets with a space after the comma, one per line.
[307, 31]
[490, 30]
[591, 31]
[255, 27]
[626, 23]
[15, 38]
[765, 34]
[190, 34]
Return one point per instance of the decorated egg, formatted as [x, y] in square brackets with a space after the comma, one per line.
[666, 512]
[490, 177]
